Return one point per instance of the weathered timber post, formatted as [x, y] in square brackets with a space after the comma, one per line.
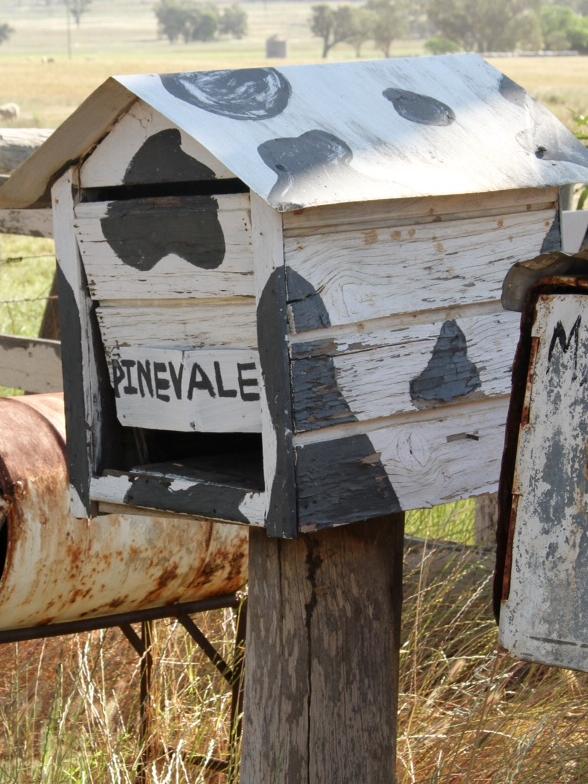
[321, 670]
[486, 519]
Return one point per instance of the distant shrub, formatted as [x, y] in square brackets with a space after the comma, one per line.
[192, 21]
[5, 32]
[440, 45]
[233, 22]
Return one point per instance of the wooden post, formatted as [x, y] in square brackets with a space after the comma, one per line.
[321, 670]
[486, 519]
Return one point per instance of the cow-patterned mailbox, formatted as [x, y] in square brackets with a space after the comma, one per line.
[281, 287]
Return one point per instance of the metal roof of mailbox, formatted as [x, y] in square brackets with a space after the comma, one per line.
[306, 136]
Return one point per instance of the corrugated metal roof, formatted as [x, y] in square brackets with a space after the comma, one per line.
[305, 136]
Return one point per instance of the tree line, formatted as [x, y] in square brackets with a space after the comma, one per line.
[454, 25]
[188, 20]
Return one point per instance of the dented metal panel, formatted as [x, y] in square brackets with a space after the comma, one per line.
[544, 612]
[57, 568]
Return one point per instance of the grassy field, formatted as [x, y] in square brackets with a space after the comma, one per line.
[122, 37]
[468, 713]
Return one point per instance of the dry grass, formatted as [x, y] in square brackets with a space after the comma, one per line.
[468, 714]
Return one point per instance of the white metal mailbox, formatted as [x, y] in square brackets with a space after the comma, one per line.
[281, 287]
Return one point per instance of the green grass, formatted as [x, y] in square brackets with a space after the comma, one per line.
[27, 266]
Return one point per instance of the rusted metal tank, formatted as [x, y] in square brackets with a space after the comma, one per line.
[55, 568]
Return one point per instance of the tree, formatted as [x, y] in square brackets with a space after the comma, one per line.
[201, 23]
[563, 29]
[171, 18]
[440, 45]
[77, 8]
[233, 21]
[5, 32]
[390, 22]
[479, 25]
[333, 25]
[187, 20]
[363, 28]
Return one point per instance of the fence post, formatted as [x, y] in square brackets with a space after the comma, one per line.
[321, 669]
[486, 519]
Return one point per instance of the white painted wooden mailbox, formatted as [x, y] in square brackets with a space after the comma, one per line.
[281, 288]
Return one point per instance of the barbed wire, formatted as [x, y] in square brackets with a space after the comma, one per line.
[17, 259]
[27, 299]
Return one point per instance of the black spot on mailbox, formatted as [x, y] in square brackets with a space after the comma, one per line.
[161, 159]
[449, 374]
[244, 94]
[419, 108]
[141, 236]
[512, 91]
[313, 156]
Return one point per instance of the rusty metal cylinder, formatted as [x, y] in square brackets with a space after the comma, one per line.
[56, 568]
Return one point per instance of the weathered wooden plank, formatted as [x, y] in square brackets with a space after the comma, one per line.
[272, 326]
[145, 143]
[323, 633]
[89, 411]
[544, 614]
[180, 323]
[169, 247]
[403, 212]
[31, 364]
[370, 274]
[148, 489]
[379, 372]
[421, 460]
[172, 389]
[31, 223]
[18, 144]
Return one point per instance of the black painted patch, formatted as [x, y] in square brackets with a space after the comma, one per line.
[552, 240]
[143, 231]
[317, 400]
[342, 481]
[75, 406]
[419, 108]
[205, 500]
[161, 159]
[306, 306]
[512, 91]
[314, 156]
[449, 374]
[275, 371]
[244, 94]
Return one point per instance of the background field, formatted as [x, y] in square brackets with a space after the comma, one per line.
[468, 713]
[125, 40]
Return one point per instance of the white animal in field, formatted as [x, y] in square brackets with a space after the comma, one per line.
[9, 111]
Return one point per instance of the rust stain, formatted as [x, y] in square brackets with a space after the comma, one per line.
[440, 247]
